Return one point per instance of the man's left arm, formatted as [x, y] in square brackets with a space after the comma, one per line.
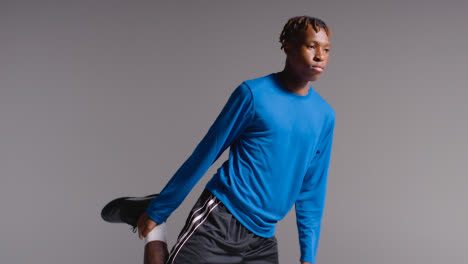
[311, 200]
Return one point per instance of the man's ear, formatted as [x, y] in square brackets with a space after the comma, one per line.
[286, 48]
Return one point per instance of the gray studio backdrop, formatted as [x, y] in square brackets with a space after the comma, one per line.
[101, 99]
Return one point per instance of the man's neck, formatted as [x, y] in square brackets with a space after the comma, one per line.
[293, 83]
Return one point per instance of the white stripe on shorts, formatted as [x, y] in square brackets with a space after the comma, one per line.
[208, 207]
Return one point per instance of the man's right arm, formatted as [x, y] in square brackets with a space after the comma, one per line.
[228, 126]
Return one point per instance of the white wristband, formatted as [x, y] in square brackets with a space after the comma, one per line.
[158, 233]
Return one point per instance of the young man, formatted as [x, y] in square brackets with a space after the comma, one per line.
[280, 131]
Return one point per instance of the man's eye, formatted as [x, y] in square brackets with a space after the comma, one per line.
[327, 50]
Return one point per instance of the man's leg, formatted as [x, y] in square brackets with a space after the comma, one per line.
[202, 239]
[128, 210]
[156, 246]
[263, 250]
[156, 252]
[212, 235]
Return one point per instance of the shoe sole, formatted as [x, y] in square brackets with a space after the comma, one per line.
[112, 211]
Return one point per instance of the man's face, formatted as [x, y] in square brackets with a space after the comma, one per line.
[307, 54]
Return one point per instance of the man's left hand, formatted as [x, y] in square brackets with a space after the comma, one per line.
[145, 225]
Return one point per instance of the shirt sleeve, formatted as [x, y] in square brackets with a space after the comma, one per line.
[311, 200]
[228, 126]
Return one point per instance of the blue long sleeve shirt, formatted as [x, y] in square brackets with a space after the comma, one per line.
[280, 148]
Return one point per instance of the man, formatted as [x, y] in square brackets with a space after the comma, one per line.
[280, 131]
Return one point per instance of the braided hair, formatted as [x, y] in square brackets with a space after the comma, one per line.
[298, 23]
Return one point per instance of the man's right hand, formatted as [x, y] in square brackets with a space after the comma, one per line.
[145, 225]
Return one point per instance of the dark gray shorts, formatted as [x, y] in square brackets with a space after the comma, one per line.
[213, 235]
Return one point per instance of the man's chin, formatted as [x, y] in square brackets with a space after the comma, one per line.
[314, 77]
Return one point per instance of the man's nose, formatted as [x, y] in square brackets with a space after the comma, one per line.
[318, 55]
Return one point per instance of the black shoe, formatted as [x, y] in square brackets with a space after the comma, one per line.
[126, 209]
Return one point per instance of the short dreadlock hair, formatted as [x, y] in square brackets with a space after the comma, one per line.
[298, 23]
